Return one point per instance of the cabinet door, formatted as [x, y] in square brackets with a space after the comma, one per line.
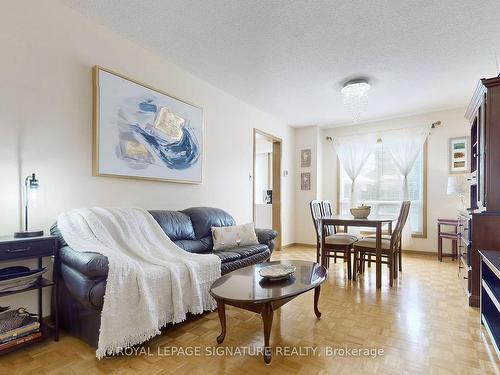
[481, 157]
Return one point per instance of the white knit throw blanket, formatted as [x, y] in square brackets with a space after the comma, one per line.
[151, 281]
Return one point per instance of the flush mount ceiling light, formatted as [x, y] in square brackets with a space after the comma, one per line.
[355, 93]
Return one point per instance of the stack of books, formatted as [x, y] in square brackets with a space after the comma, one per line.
[29, 331]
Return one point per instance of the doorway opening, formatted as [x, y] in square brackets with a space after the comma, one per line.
[267, 182]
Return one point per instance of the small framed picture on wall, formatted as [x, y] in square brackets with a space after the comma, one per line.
[459, 155]
[305, 181]
[305, 158]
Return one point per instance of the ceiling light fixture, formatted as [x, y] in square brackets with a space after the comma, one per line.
[355, 93]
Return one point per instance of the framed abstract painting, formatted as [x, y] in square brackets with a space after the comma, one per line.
[459, 155]
[142, 132]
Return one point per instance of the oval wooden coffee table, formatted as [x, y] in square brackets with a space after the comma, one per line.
[244, 288]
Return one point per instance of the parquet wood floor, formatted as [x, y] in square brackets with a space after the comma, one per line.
[423, 325]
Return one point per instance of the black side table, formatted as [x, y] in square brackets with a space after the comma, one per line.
[15, 249]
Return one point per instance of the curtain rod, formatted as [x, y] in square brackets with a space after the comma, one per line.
[433, 126]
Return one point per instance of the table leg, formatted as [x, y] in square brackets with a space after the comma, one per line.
[354, 265]
[389, 228]
[317, 290]
[440, 244]
[267, 319]
[348, 255]
[455, 245]
[40, 301]
[378, 258]
[55, 276]
[400, 256]
[221, 309]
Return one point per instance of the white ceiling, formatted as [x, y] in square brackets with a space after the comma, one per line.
[290, 58]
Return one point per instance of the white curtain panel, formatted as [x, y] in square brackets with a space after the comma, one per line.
[404, 145]
[353, 151]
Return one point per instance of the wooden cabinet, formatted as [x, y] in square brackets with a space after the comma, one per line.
[464, 246]
[483, 217]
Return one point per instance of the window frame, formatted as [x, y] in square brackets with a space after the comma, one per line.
[423, 234]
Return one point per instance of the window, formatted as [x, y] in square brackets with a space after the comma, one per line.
[380, 185]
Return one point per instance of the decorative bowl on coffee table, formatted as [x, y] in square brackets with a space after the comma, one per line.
[277, 272]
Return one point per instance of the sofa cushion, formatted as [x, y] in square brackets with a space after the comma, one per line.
[204, 218]
[194, 246]
[96, 288]
[236, 253]
[245, 262]
[226, 255]
[175, 224]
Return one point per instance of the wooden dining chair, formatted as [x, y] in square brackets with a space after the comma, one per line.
[328, 244]
[316, 214]
[391, 248]
[328, 211]
[335, 245]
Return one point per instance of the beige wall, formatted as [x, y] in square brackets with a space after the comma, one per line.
[45, 121]
[46, 115]
[307, 138]
[439, 205]
[45, 118]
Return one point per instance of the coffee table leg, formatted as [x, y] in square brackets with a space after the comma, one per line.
[221, 309]
[316, 299]
[267, 318]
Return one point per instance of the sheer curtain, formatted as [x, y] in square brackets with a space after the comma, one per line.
[405, 145]
[353, 151]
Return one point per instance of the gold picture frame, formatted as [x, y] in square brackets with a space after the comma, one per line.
[169, 174]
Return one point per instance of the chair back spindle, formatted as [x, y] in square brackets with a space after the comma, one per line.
[316, 214]
[328, 211]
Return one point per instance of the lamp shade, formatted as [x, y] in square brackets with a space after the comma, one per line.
[456, 185]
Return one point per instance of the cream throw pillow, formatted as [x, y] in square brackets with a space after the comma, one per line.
[234, 236]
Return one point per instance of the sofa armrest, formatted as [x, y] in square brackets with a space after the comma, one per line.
[266, 237]
[87, 263]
